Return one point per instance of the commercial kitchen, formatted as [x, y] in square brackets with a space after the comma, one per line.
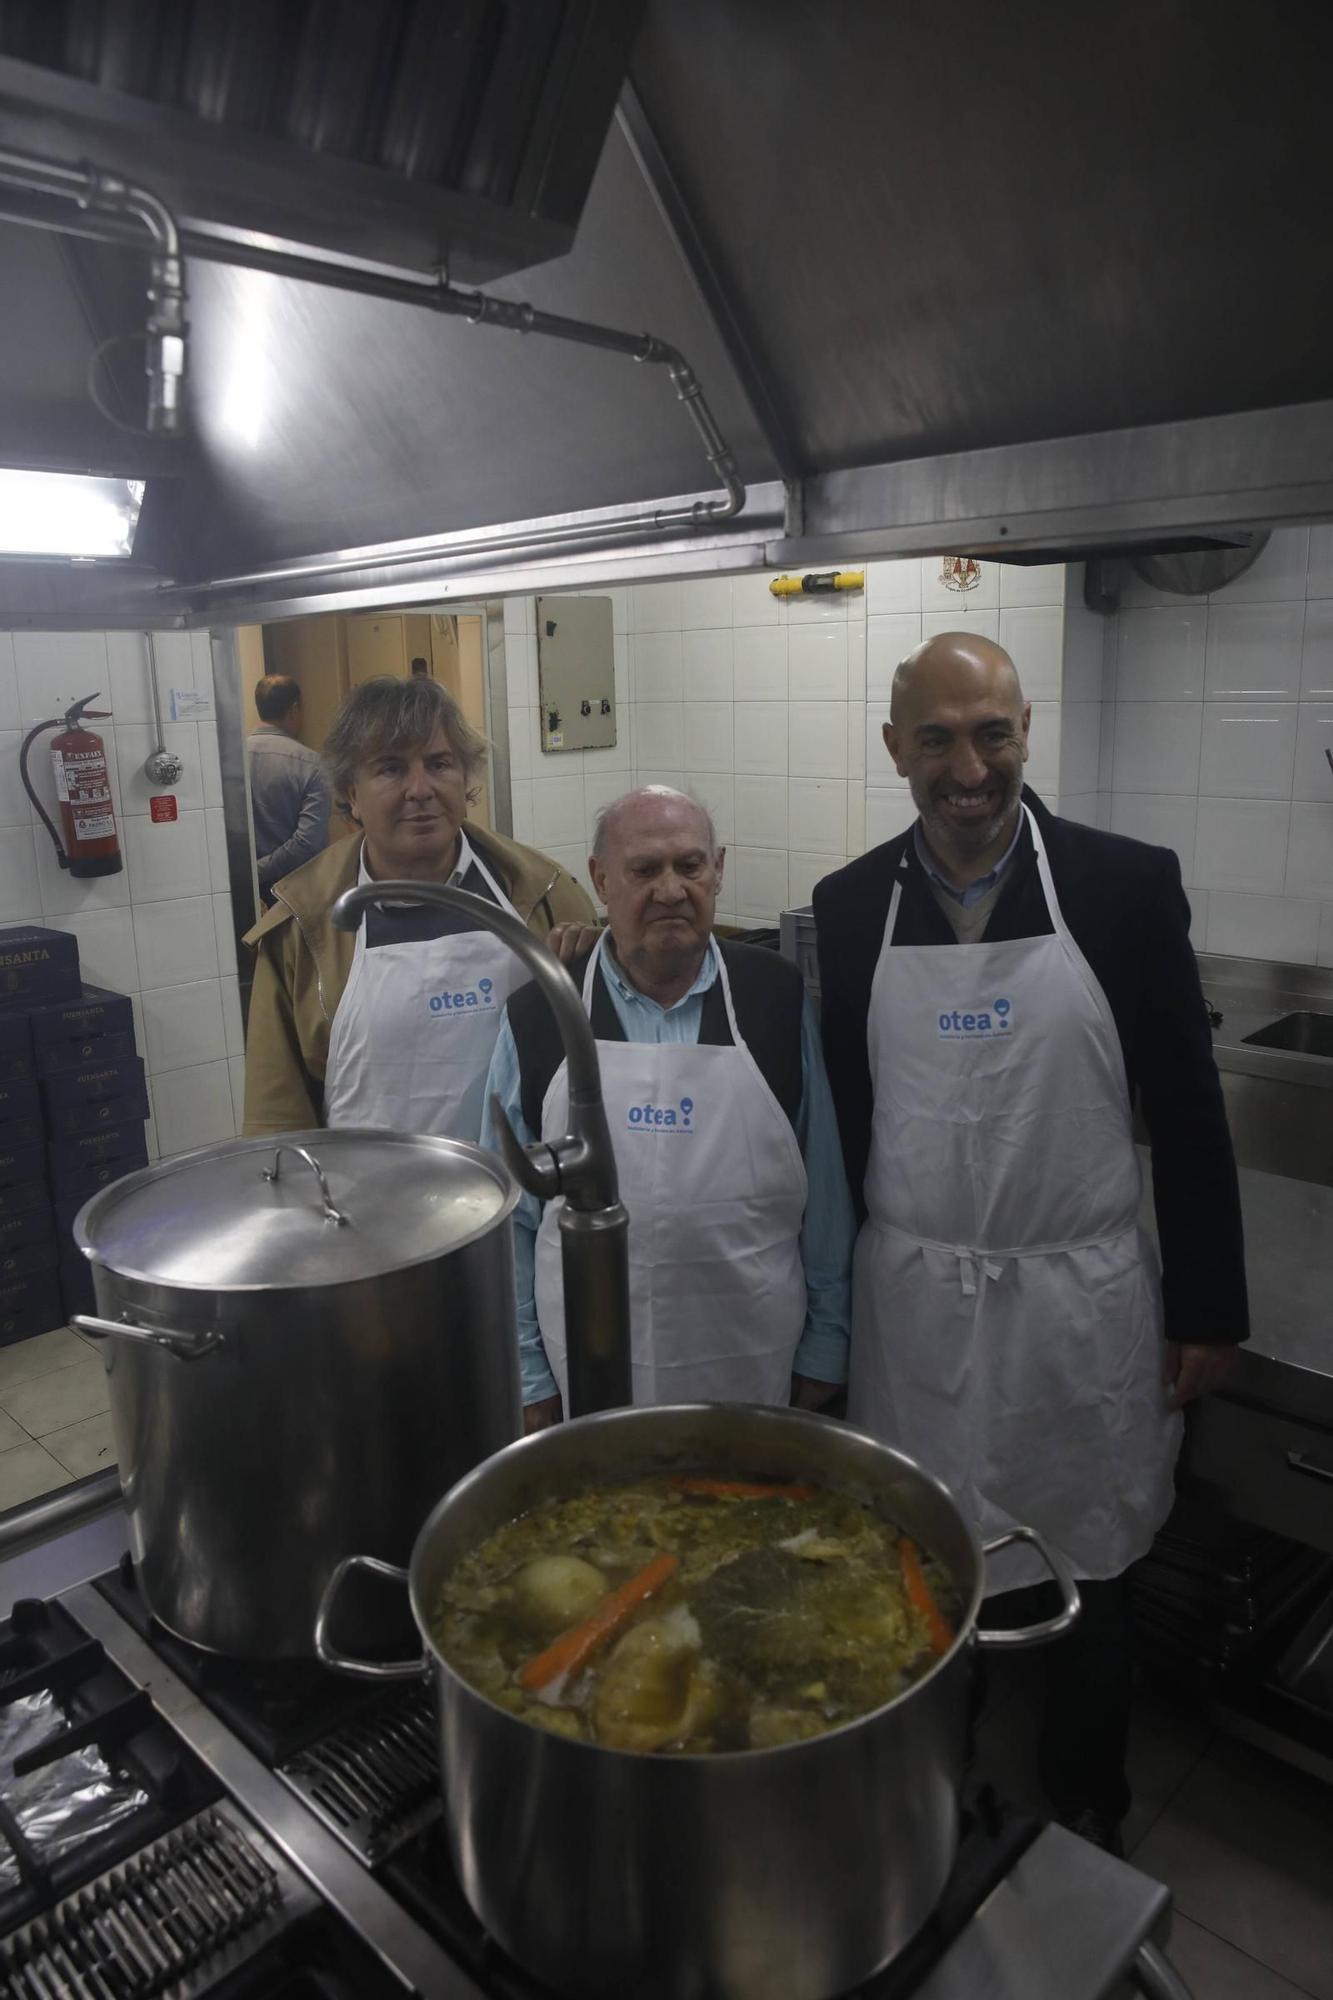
[645, 381]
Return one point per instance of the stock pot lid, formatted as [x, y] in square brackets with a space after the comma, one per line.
[217, 1219]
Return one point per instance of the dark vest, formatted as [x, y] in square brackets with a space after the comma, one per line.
[766, 992]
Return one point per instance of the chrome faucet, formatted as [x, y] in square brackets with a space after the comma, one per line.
[594, 1227]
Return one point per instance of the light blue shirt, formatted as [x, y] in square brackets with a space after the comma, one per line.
[827, 1232]
[974, 891]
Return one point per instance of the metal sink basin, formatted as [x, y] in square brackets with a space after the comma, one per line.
[1302, 1034]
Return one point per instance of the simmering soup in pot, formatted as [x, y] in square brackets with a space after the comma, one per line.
[695, 1614]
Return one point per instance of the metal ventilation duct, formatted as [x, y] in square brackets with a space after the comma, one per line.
[408, 132]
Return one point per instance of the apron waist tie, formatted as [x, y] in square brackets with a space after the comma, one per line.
[977, 1267]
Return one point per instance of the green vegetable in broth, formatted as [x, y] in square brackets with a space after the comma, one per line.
[694, 1615]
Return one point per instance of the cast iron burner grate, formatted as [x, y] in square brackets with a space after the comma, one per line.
[375, 1782]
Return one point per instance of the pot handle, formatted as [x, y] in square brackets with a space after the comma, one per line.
[185, 1346]
[347, 1663]
[331, 1213]
[1048, 1628]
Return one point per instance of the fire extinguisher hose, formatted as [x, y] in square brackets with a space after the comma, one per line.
[56, 722]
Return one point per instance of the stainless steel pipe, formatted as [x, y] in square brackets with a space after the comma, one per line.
[594, 1227]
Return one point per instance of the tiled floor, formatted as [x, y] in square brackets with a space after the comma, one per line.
[54, 1425]
[1244, 1843]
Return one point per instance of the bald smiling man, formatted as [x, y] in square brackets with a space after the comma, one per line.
[1000, 989]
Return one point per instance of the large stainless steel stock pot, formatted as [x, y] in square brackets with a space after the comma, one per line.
[309, 1339]
[784, 1874]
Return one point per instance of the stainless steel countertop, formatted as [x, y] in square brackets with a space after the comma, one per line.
[1249, 996]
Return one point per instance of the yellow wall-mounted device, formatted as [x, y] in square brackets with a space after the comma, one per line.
[816, 585]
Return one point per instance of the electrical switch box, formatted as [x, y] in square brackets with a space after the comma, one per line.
[576, 673]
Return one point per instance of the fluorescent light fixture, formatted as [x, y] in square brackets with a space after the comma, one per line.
[67, 514]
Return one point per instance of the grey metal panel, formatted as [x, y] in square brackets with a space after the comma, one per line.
[949, 229]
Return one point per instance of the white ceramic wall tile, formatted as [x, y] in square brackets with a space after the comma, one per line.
[166, 859]
[201, 658]
[818, 738]
[10, 712]
[881, 772]
[761, 813]
[1314, 746]
[133, 745]
[659, 734]
[967, 618]
[1033, 637]
[620, 647]
[1254, 652]
[1079, 806]
[602, 789]
[183, 1026]
[752, 602]
[1241, 844]
[893, 586]
[1319, 573]
[817, 815]
[1198, 900]
[1278, 571]
[675, 781]
[572, 856]
[1317, 652]
[887, 815]
[709, 741]
[232, 1026]
[655, 666]
[1326, 935]
[718, 794]
[856, 659]
[655, 607]
[194, 1107]
[817, 663]
[210, 763]
[1084, 643]
[705, 603]
[761, 737]
[520, 798]
[1031, 583]
[936, 595]
[175, 665]
[557, 811]
[1161, 821]
[619, 596]
[1273, 927]
[1106, 761]
[224, 935]
[1043, 765]
[887, 640]
[821, 608]
[520, 744]
[175, 942]
[106, 947]
[19, 893]
[1157, 746]
[131, 692]
[1310, 851]
[63, 895]
[14, 807]
[706, 666]
[759, 664]
[1161, 653]
[236, 1079]
[1080, 746]
[614, 757]
[804, 870]
[518, 615]
[856, 819]
[760, 881]
[150, 1137]
[215, 834]
[1248, 750]
[56, 668]
[521, 679]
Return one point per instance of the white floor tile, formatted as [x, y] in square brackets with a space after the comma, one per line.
[64, 1397]
[26, 1471]
[84, 1447]
[39, 1355]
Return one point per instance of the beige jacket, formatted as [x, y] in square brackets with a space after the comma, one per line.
[303, 964]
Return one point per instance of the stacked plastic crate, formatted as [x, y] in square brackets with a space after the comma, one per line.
[73, 1102]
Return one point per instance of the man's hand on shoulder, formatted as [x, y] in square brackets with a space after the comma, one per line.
[570, 941]
[1193, 1370]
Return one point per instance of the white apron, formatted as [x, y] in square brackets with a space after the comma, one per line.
[412, 1036]
[715, 1186]
[1006, 1308]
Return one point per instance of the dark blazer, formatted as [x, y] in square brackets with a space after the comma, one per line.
[1125, 906]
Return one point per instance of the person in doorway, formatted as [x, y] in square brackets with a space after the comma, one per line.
[741, 1226]
[393, 1024]
[289, 793]
[999, 986]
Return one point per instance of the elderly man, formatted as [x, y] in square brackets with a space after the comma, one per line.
[394, 1024]
[999, 985]
[740, 1223]
[289, 793]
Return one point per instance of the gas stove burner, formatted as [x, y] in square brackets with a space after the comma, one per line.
[376, 1781]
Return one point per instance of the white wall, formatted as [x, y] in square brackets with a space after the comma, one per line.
[770, 711]
[161, 930]
[1216, 715]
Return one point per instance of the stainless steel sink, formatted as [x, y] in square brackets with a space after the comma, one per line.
[1303, 1034]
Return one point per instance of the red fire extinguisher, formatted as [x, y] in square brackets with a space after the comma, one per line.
[83, 789]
